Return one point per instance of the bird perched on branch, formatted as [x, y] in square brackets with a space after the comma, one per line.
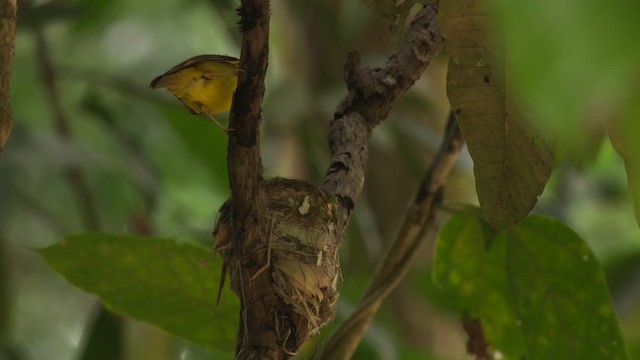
[205, 84]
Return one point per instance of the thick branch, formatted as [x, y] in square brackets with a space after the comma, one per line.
[372, 94]
[257, 337]
[244, 163]
[418, 223]
[7, 43]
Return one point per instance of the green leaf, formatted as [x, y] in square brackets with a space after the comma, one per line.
[625, 138]
[574, 61]
[560, 294]
[512, 160]
[470, 267]
[536, 287]
[158, 281]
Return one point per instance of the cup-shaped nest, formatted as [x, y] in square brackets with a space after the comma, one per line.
[301, 248]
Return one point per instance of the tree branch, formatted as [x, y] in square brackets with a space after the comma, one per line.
[372, 94]
[74, 174]
[7, 44]
[276, 316]
[257, 336]
[243, 158]
[418, 223]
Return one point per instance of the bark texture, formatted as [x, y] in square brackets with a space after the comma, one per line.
[257, 338]
[261, 334]
[279, 238]
[418, 226]
[372, 94]
[7, 43]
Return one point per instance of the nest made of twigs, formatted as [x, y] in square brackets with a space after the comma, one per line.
[302, 248]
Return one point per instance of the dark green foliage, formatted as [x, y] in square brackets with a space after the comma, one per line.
[536, 287]
[154, 280]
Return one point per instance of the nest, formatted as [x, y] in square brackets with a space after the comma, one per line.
[302, 251]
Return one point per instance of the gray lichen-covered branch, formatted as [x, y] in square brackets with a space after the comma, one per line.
[372, 94]
[419, 224]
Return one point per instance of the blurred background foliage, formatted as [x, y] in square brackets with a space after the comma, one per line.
[94, 149]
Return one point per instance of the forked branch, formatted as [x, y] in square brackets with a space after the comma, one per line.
[372, 94]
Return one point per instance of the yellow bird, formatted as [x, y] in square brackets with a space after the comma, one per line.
[205, 84]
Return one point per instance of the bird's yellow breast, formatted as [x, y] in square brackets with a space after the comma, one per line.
[206, 87]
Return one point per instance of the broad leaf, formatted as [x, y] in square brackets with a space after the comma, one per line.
[574, 61]
[512, 161]
[470, 267]
[559, 292]
[154, 280]
[536, 287]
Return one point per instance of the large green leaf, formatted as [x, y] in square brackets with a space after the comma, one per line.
[578, 76]
[574, 61]
[512, 161]
[470, 267]
[536, 287]
[154, 280]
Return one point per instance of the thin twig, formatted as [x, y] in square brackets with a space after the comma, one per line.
[74, 174]
[40, 210]
[268, 263]
[418, 225]
[119, 84]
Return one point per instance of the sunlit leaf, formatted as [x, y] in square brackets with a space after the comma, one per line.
[536, 287]
[154, 280]
[512, 160]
